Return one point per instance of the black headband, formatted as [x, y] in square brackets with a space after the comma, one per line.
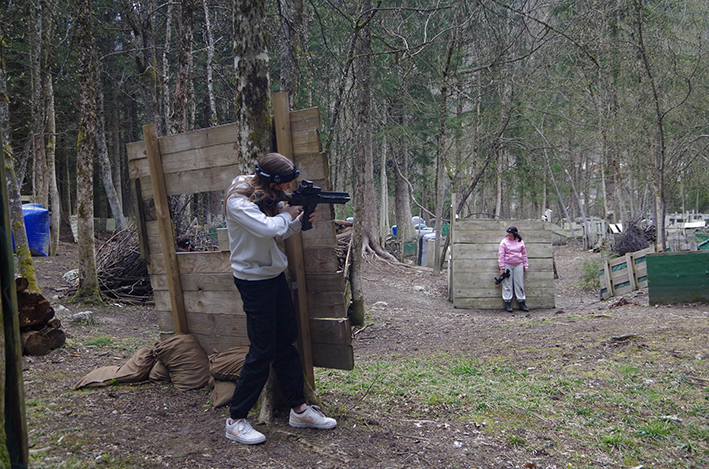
[277, 178]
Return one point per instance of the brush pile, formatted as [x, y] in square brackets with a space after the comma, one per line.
[122, 273]
[635, 238]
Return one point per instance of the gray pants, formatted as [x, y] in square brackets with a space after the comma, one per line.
[514, 281]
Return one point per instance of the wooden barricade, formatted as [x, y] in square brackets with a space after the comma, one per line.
[473, 264]
[624, 274]
[194, 292]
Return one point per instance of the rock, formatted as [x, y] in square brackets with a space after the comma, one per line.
[71, 276]
[85, 318]
[419, 288]
[382, 304]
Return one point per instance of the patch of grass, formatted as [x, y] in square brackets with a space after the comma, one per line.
[103, 341]
[631, 405]
[588, 279]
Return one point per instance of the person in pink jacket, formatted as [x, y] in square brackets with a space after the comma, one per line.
[513, 257]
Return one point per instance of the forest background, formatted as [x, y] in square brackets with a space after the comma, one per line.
[591, 109]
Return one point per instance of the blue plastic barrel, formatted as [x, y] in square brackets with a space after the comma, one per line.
[37, 227]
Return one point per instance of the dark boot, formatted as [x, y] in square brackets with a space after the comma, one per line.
[508, 306]
[522, 306]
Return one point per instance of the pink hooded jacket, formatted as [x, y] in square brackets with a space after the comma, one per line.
[512, 252]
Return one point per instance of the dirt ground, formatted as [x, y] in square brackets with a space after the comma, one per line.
[157, 426]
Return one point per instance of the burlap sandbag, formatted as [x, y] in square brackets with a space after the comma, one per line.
[185, 360]
[226, 365]
[135, 370]
[222, 393]
[100, 377]
[159, 373]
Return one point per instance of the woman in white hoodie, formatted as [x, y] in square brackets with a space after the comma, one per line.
[257, 219]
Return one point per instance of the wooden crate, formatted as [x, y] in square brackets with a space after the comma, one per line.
[621, 274]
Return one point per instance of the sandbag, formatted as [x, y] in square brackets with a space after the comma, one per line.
[98, 378]
[186, 361]
[135, 370]
[222, 393]
[138, 368]
[226, 365]
[159, 373]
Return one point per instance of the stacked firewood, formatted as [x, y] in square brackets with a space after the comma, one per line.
[40, 330]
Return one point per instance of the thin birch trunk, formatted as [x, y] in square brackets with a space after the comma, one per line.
[55, 201]
[213, 117]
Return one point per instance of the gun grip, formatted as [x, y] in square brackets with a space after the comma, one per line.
[305, 223]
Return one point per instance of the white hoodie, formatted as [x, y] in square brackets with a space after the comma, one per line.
[253, 237]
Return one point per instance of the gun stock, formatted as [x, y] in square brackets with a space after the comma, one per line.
[309, 196]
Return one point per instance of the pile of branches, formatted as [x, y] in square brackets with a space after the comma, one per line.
[121, 271]
[635, 238]
[343, 231]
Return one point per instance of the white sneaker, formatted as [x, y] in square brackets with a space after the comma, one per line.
[312, 417]
[241, 431]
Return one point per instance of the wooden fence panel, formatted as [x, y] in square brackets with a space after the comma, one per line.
[474, 263]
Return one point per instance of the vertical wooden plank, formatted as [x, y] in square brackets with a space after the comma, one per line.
[13, 396]
[167, 230]
[294, 244]
[142, 228]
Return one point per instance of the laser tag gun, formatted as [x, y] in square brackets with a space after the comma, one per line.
[309, 196]
[502, 277]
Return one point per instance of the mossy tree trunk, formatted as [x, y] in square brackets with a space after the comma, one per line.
[86, 149]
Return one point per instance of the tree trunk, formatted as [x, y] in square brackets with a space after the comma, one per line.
[402, 188]
[291, 14]
[40, 181]
[86, 148]
[213, 117]
[165, 79]
[55, 217]
[105, 163]
[183, 13]
[139, 15]
[17, 222]
[253, 94]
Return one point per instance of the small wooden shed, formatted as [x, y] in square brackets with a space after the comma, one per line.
[194, 291]
[473, 263]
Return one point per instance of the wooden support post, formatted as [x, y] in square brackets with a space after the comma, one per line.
[167, 229]
[294, 244]
[13, 389]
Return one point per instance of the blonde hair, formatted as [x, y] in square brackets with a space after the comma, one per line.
[258, 190]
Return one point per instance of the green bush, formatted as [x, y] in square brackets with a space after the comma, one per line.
[589, 275]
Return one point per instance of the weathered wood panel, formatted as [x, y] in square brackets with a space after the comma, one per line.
[331, 331]
[320, 259]
[333, 356]
[322, 233]
[326, 282]
[327, 304]
[313, 166]
[192, 182]
[474, 263]
[306, 142]
[305, 119]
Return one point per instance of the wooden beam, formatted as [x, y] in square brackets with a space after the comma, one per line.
[167, 230]
[294, 244]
